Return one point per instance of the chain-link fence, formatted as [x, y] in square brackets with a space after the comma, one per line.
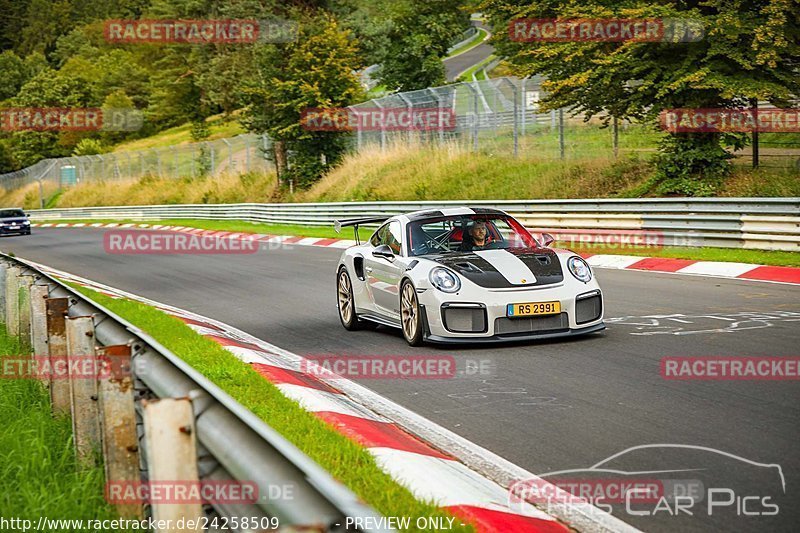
[235, 155]
[503, 116]
[500, 116]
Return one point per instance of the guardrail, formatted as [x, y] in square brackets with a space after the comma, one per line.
[759, 223]
[159, 416]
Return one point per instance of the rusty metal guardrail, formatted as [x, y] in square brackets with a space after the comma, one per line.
[157, 419]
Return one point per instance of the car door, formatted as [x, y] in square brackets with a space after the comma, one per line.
[384, 274]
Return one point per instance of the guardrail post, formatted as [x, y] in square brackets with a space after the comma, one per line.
[3, 272]
[57, 351]
[83, 387]
[118, 421]
[12, 301]
[24, 302]
[169, 429]
[39, 323]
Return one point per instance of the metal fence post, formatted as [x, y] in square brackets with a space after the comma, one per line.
[57, 352]
[118, 422]
[158, 162]
[230, 155]
[524, 105]
[561, 133]
[213, 158]
[83, 387]
[383, 126]
[515, 92]
[169, 428]
[615, 126]
[754, 104]
[474, 94]
[41, 194]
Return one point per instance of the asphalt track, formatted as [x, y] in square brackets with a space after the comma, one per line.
[458, 64]
[547, 406]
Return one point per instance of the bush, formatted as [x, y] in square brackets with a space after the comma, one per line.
[691, 165]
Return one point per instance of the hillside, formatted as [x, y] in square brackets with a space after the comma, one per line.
[414, 173]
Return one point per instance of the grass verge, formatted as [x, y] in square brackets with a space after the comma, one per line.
[344, 459]
[738, 255]
[469, 45]
[38, 470]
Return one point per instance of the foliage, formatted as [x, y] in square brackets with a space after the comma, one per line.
[418, 40]
[315, 71]
[750, 51]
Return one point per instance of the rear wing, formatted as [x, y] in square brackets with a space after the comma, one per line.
[356, 222]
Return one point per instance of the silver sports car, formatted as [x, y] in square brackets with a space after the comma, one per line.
[464, 275]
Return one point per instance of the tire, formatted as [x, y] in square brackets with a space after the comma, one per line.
[410, 317]
[345, 302]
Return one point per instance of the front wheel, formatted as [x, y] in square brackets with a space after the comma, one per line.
[346, 302]
[410, 316]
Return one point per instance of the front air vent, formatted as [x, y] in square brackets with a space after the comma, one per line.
[462, 319]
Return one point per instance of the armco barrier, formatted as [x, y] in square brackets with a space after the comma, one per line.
[759, 223]
[202, 432]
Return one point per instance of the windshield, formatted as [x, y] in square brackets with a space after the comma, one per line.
[467, 233]
[7, 213]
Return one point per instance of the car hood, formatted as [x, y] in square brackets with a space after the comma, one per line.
[514, 267]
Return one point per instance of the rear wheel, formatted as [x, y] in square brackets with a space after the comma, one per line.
[345, 300]
[409, 314]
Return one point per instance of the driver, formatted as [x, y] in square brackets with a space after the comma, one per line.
[479, 236]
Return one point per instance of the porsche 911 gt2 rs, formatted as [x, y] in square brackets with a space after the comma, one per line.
[464, 275]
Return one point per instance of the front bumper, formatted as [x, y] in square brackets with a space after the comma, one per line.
[22, 230]
[487, 321]
[515, 337]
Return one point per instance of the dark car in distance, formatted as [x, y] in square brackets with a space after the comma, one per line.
[14, 221]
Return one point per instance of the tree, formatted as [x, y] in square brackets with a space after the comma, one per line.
[317, 70]
[750, 50]
[421, 33]
[13, 73]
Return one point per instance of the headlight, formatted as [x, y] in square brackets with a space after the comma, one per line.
[580, 269]
[26, 222]
[444, 280]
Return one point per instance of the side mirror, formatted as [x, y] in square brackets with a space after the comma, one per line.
[547, 239]
[384, 251]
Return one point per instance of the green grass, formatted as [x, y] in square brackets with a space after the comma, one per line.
[469, 45]
[38, 470]
[467, 74]
[344, 459]
[219, 127]
[738, 255]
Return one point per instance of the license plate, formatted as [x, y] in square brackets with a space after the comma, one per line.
[13, 227]
[533, 309]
